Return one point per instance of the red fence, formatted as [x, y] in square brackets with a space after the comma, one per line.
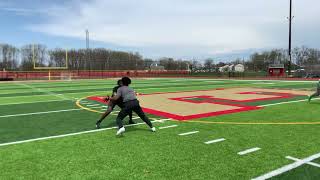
[55, 74]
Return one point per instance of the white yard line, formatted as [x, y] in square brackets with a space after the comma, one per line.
[310, 163]
[248, 151]
[188, 133]
[36, 113]
[163, 119]
[288, 102]
[160, 120]
[215, 141]
[33, 102]
[85, 102]
[287, 167]
[94, 105]
[263, 83]
[65, 135]
[45, 91]
[166, 127]
[135, 117]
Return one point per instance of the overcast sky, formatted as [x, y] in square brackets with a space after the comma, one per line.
[156, 28]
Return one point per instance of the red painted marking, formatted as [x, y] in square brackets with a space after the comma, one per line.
[276, 94]
[220, 101]
[99, 99]
[195, 116]
[184, 91]
[241, 107]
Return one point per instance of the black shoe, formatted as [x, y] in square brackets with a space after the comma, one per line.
[98, 124]
[132, 122]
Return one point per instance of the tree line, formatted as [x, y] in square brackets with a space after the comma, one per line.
[14, 58]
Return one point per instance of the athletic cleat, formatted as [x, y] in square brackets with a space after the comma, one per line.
[153, 129]
[121, 131]
[98, 125]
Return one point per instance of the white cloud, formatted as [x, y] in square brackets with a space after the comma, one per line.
[202, 26]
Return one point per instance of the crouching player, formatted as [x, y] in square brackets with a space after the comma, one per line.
[317, 93]
[112, 104]
[130, 104]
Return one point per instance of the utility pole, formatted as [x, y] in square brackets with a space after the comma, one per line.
[289, 51]
[87, 47]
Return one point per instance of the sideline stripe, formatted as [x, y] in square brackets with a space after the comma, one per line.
[310, 163]
[215, 141]
[287, 167]
[33, 102]
[188, 133]
[65, 135]
[288, 102]
[36, 113]
[166, 127]
[248, 151]
[261, 83]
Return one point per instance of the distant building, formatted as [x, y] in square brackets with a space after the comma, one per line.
[239, 68]
[276, 70]
[156, 67]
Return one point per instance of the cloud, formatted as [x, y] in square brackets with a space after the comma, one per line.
[182, 26]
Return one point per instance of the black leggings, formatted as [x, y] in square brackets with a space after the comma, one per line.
[129, 107]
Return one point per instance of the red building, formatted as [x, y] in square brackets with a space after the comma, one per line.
[276, 70]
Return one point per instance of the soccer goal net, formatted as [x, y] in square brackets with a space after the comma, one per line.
[66, 76]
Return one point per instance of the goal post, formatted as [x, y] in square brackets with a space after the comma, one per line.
[51, 60]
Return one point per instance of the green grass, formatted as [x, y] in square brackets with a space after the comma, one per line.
[304, 172]
[141, 154]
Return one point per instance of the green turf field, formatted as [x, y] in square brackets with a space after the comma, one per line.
[45, 135]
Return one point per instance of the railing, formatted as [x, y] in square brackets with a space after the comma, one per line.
[60, 74]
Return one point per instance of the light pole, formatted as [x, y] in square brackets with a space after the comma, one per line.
[290, 25]
[87, 47]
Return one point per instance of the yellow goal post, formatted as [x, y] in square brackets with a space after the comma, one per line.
[63, 75]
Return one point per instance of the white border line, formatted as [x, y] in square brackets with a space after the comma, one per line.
[287, 167]
[288, 102]
[94, 105]
[20, 103]
[188, 133]
[166, 127]
[215, 141]
[66, 135]
[310, 163]
[248, 151]
[36, 113]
